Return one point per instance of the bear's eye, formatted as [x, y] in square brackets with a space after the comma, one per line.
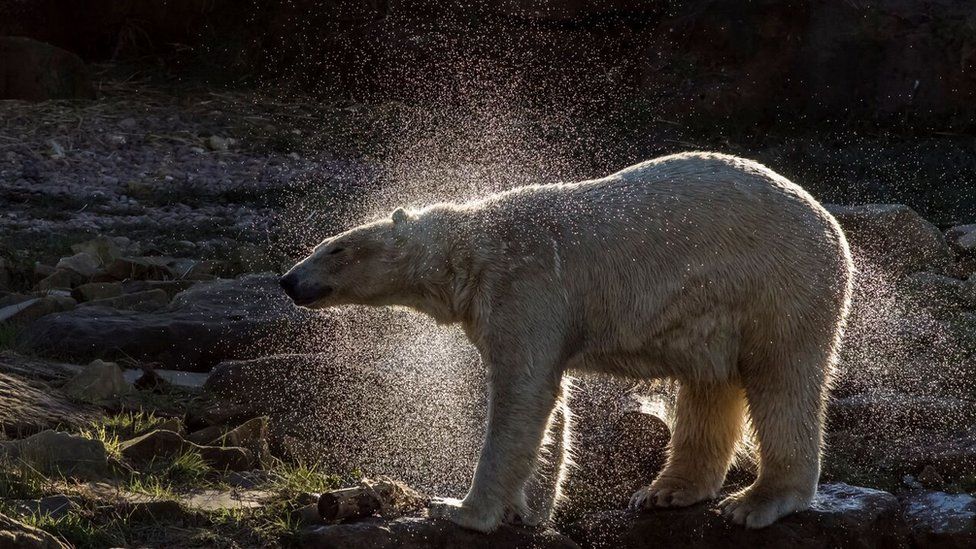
[337, 250]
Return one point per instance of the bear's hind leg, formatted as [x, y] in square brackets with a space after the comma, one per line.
[708, 426]
[786, 405]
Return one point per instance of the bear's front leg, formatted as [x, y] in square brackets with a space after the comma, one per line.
[521, 399]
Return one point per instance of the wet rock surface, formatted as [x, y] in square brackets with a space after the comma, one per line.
[937, 519]
[841, 516]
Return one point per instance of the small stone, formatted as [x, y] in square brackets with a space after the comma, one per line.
[42, 271]
[930, 478]
[139, 268]
[217, 143]
[128, 123]
[53, 452]
[102, 247]
[115, 140]
[83, 263]
[99, 381]
[97, 290]
[206, 436]
[56, 151]
[61, 279]
[55, 507]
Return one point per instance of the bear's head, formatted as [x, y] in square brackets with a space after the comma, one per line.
[366, 265]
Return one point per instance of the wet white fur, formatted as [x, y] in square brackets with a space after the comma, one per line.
[704, 268]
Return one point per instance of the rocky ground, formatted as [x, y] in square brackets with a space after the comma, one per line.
[157, 390]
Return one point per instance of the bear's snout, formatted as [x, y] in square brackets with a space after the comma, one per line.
[303, 294]
[289, 283]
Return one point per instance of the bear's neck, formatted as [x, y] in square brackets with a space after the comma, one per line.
[447, 289]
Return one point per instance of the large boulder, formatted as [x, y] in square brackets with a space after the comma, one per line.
[892, 237]
[417, 533]
[35, 71]
[203, 325]
[841, 516]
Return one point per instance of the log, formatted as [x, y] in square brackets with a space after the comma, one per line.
[383, 496]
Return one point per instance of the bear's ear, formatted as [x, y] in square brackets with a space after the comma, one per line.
[400, 216]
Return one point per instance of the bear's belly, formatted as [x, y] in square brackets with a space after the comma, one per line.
[702, 347]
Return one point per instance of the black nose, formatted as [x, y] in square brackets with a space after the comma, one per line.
[289, 283]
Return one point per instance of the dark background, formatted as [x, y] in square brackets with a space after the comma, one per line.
[859, 100]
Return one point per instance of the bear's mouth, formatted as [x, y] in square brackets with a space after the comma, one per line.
[309, 299]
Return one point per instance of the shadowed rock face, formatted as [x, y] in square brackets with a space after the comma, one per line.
[841, 516]
[35, 71]
[201, 326]
[375, 533]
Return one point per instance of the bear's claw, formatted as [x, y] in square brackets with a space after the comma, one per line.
[669, 492]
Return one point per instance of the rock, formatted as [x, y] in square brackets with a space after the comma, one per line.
[173, 424]
[32, 309]
[138, 268]
[253, 435]
[4, 274]
[56, 506]
[97, 290]
[143, 507]
[841, 516]
[106, 249]
[82, 263]
[935, 290]
[35, 71]
[619, 449]
[206, 436]
[31, 406]
[53, 452]
[99, 381]
[14, 534]
[61, 279]
[217, 143]
[937, 519]
[376, 533]
[147, 301]
[42, 271]
[167, 443]
[151, 381]
[930, 478]
[35, 368]
[892, 237]
[226, 500]
[209, 322]
[171, 287]
[962, 238]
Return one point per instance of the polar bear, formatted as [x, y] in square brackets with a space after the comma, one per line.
[704, 268]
